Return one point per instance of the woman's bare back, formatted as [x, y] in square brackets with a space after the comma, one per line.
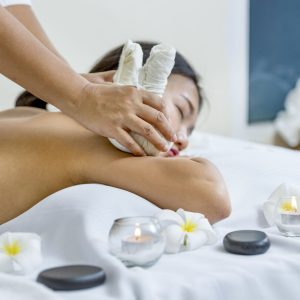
[42, 152]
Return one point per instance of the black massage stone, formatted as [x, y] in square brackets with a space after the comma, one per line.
[246, 242]
[74, 277]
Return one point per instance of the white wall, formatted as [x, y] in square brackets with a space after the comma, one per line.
[212, 34]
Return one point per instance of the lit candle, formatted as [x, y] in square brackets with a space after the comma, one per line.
[290, 215]
[138, 242]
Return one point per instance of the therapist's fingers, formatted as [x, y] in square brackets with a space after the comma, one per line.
[157, 119]
[107, 75]
[156, 102]
[128, 142]
[105, 109]
[145, 129]
[100, 77]
[163, 124]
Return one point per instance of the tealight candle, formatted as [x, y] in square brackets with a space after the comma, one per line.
[287, 218]
[289, 212]
[137, 241]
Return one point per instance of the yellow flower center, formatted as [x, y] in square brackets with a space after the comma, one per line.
[189, 226]
[12, 249]
[288, 206]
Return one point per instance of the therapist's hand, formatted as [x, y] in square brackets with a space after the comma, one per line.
[113, 111]
[100, 77]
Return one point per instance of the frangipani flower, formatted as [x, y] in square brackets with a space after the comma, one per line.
[185, 230]
[19, 252]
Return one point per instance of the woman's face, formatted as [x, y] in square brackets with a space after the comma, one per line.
[183, 103]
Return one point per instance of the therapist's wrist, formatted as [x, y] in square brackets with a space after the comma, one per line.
[86, 107]
[71, 102]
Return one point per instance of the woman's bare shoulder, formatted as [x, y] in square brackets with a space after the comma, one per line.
[21, 112]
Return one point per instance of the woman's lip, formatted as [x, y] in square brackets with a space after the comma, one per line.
[173, 152]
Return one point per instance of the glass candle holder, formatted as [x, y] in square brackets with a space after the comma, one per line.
[287, 215]
[137, 241]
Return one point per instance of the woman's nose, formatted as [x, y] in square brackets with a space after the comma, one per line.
[182, 140]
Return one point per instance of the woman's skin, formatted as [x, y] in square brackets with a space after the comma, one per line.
[42, 152]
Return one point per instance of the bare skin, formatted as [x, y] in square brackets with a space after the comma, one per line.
[42, 152]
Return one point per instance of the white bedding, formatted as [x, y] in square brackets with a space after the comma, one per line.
[74, 225]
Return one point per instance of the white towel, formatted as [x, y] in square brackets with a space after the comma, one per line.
[18, 288]
[152, 77]
[287, 122]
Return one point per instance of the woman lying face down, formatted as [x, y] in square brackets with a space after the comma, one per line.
[42, 152]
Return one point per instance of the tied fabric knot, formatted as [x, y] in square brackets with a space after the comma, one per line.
[153, 76]
[130, 63]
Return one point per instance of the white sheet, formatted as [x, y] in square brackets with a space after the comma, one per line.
[74, 225]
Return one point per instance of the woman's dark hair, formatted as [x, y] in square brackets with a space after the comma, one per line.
[110, 61]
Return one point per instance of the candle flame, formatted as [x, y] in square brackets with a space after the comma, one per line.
[294, 204]
[290, 205]
[137, 232]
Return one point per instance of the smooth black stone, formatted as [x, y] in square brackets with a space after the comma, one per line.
[246, 242]
[74, 277]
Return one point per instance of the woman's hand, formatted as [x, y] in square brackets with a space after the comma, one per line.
[113, 111]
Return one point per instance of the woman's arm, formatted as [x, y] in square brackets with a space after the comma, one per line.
[175, 183]
[194, 185]
[44, 152]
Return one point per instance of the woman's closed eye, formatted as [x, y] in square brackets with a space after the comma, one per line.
[180, 112]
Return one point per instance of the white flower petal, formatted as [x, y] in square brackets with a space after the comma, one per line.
[178, 226]
[31, 255]
[196, 239]
[31, 245]
[170, 215]
[27, 262]
[204, 226]
[28, 256]
[174, 238]
[27, 239]
[6, 264]
[191, 216]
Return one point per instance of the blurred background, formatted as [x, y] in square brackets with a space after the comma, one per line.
[235, 45]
